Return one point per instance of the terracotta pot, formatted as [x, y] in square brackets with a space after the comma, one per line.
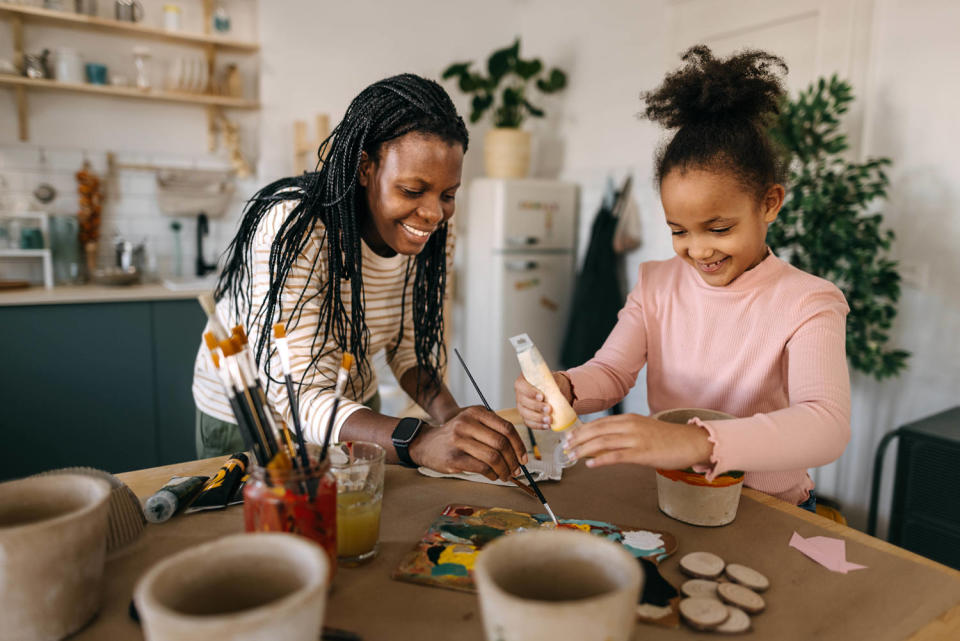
[53, 539]
[687, 496]
[506, 153]
[547, 585]
[245, 587]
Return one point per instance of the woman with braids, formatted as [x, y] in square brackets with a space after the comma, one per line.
[354, 258]
[724, 324]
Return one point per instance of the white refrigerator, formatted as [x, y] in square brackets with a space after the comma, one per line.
[520, 243]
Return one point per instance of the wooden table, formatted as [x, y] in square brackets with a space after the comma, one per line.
[900, 595]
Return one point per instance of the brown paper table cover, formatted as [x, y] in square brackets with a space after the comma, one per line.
[900, 595]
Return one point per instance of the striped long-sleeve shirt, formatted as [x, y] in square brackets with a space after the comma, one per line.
[383, 282]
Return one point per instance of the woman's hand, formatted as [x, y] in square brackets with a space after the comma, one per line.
[631, 438]
[532, 405]
[474, 440]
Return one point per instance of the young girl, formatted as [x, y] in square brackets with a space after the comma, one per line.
[353, 258]
[724, 324]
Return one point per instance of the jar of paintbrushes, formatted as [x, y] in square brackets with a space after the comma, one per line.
[297, 499]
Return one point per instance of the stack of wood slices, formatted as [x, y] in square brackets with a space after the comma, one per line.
[720, 597]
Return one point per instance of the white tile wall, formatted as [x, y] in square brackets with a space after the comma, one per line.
[130, 206]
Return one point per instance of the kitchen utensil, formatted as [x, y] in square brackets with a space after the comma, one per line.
[67, 65]
[128, 10]
[44, 192]
[35, 65]
[185, 192]
[86, 7]
[96, 73]
[116, 276]
[141, 59]
[171, 17]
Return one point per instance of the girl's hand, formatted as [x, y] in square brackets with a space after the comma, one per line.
[631, 438]
[474, 440]
[532, 405]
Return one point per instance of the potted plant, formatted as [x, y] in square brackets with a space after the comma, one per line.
[830, 225]
[506, 146]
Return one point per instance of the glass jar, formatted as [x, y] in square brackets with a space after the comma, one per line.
[299, 501]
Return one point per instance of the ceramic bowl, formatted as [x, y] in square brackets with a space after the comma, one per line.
[245, 587]
[687, 495]
[53, 539]
[557, 584]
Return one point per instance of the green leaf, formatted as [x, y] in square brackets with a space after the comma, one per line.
[503, 60]
[456, 69]
[527, 69]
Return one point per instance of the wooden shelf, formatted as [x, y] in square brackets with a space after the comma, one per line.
[130, 92]
[133, 29]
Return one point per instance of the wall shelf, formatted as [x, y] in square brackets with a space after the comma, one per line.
[21, 16]
[132, 29]
[131, 92]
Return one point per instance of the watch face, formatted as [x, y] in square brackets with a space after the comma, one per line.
[406, 429]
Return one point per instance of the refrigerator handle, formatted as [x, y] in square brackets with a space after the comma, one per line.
[521, 265]
[522, 241]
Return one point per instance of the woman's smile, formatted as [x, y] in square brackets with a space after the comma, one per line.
[419, 235]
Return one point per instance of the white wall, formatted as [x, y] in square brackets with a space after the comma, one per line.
[911, 117]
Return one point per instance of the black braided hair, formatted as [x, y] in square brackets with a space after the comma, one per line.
[382, 112]
[720, 109]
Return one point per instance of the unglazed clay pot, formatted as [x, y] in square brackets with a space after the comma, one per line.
[246, 587]
[53, 540]
[557, 584]
[687, 495]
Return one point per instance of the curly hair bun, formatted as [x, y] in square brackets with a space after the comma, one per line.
[706, 90]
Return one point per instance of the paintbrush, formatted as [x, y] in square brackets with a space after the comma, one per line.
[526, 472]
[533, 443]
[240, 414]
[283, 350]
[342, 374]
[210, 307]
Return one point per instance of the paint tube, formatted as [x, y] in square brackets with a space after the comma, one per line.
[538, 374]
[218, 491]
[168, 500]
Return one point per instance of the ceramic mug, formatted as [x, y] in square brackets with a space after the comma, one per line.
[53, 539]
[96, 73]
[688, 496]
[245, 587]
[557, 584]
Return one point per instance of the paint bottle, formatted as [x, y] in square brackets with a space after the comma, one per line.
[538, 374]
[168, 500]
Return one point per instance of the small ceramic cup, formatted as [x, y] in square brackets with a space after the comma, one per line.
[53, 539]
[557, 584]
[245, 587]
[687, 495]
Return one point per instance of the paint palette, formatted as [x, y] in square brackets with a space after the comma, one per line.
[445, 556]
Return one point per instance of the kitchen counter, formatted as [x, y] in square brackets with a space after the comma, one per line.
[103, 293]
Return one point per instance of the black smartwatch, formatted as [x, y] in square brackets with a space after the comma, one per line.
[403, 435]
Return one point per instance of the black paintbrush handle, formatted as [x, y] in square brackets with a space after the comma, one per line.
[295, 412]
[526, 472]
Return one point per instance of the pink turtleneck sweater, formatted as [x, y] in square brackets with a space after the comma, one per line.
[769, 348]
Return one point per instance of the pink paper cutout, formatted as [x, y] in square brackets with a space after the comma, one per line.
[829, 552]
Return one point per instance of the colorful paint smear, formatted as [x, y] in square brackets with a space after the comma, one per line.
[695, 478]
[446, 554]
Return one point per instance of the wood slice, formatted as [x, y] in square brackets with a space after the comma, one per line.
[742, 597]
[747, 577]
[737, 622]
[703, 614]
[700, 588]
[702, 565]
